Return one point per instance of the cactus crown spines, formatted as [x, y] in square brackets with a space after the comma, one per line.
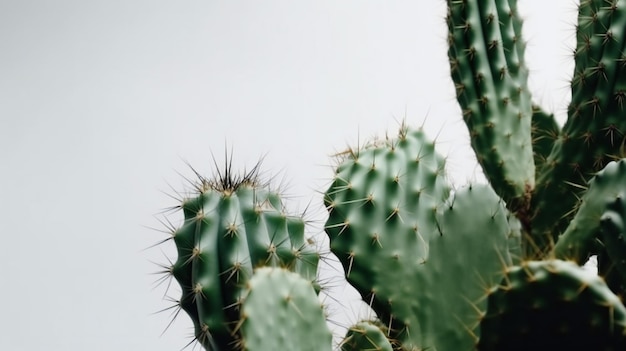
[226, 180]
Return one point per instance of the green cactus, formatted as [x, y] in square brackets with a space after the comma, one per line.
[483, 267]
[487, 65]
[593, 134]
[384, 233]
[580, 238]
[233, 224]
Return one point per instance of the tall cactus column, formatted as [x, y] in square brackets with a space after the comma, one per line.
[486, 55]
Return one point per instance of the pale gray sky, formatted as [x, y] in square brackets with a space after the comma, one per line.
[101, 102]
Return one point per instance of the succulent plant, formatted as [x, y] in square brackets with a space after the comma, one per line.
[487, 266]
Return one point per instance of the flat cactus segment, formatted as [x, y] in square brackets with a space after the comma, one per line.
[466, 259]
[542, 304]
[579, 240]
[594, 133]
[421, 258]
[281, 311]
[232, 227]
[486, 55]
[366, 336]
[382, 206]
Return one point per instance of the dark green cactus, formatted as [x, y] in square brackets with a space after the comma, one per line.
[233, 224]
[487, 267]
[281, 311]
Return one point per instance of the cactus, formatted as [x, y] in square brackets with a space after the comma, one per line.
[233, 224]
[483, 267]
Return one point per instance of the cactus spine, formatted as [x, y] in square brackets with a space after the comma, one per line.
[485, 267]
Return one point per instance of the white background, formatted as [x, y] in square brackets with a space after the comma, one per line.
[103, 102]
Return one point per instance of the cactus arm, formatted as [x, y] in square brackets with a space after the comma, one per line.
[232, 226]
[541, 304]
[486, 55]
[593, 134]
